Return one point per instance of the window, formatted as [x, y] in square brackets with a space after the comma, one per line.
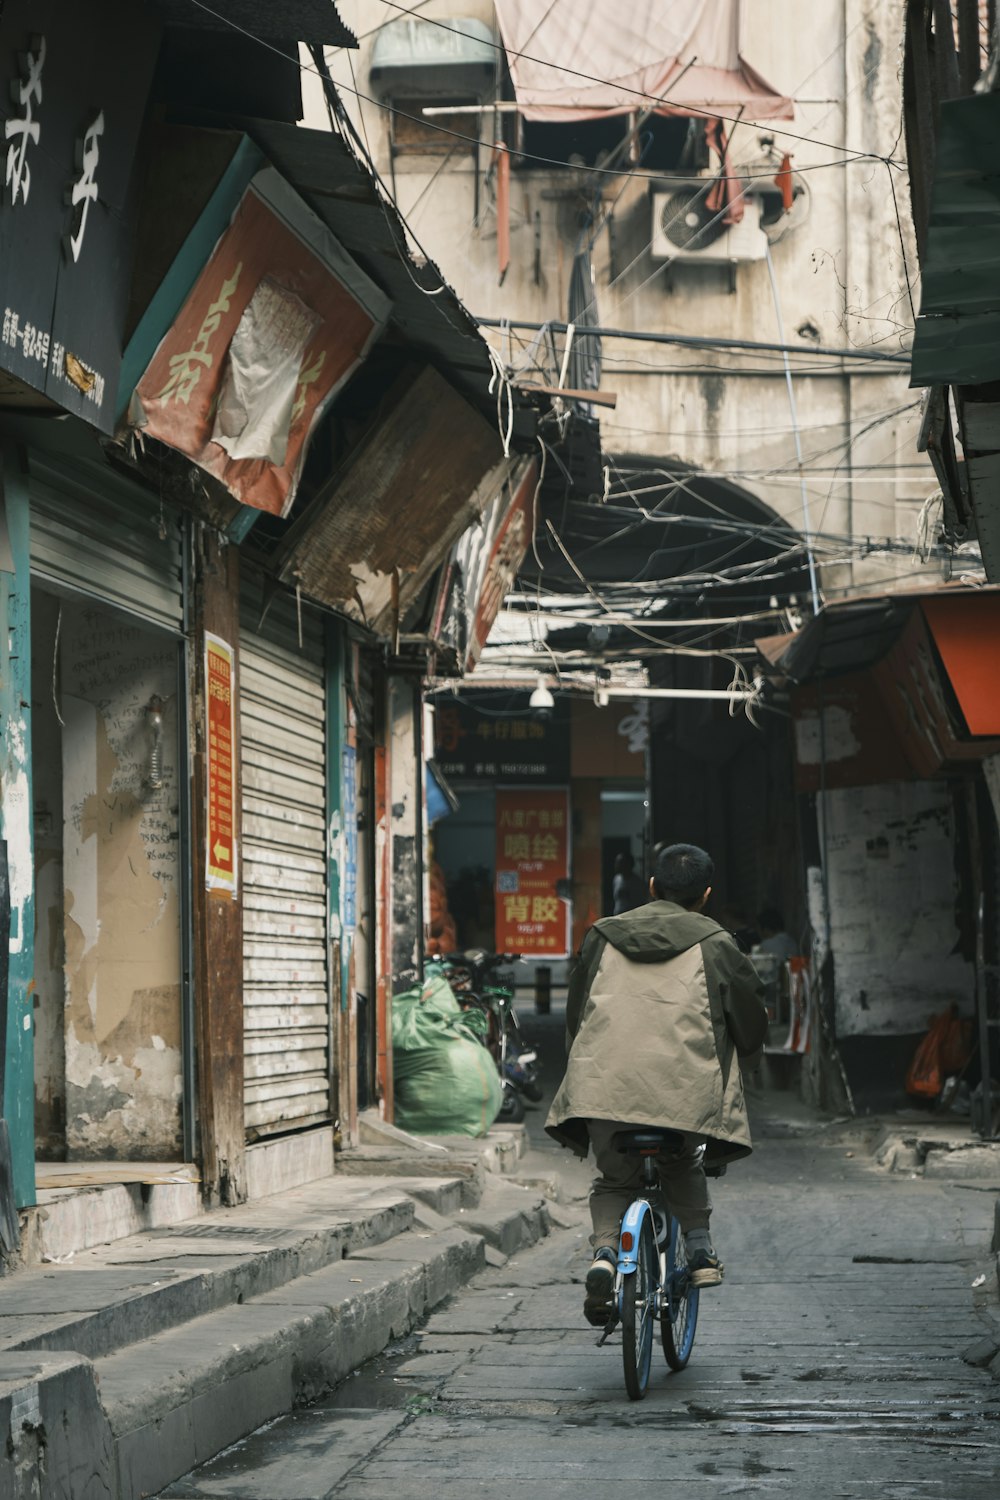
[660, 143]
[411, 134]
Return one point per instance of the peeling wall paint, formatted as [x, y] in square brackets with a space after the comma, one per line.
[47, 793]
[404, 823]
[841, 741]
[121, 891]
[892, 889]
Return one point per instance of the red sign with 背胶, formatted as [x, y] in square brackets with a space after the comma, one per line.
[532, 857]
[221, 833]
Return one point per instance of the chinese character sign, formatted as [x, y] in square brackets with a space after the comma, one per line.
[274, 325]
[74, 80]
[477, 738]
[532, 857]
[220, 750]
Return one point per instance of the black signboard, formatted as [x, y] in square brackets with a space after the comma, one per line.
[73, 86]
[495, 737]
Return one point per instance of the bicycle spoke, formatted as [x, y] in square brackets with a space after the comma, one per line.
[680, 1311]
[638, 1311]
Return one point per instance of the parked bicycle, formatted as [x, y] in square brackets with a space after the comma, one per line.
[484, 989]
[652, 1281]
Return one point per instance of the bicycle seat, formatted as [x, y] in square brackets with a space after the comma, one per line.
[647, 1140]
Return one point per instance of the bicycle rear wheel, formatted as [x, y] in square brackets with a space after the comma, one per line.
[639, 1314]
[679, 1311]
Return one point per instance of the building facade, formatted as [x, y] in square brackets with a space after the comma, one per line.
[241, 428]
[691, 227]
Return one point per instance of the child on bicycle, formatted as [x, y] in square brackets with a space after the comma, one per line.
[663, 1014]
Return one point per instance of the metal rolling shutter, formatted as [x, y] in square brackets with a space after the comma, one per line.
[285, 980]
[94, 532]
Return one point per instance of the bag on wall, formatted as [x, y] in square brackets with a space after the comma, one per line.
[944, 1051]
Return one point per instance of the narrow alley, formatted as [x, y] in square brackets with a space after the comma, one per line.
[499, 547]
[828, 1365]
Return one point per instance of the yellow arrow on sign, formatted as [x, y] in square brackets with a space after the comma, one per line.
[221, 853]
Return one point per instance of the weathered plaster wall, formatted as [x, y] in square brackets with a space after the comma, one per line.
[122, 895]
[47, 793]
[892, 892]
[405, 795]
[841, 277]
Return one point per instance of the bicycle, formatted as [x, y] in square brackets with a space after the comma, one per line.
[652, 1281]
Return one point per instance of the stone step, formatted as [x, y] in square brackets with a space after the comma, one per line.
[179, 1398]
[159, 1351]
[119, 1294]
[509, 1217]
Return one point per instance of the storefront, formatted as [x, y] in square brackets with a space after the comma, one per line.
[545, 806]
[113, 1050]
[895, 713]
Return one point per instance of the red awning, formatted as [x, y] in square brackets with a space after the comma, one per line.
[966, 631]
[688, 53]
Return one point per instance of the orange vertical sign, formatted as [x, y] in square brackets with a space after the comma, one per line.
[532, 857]
[220, 748]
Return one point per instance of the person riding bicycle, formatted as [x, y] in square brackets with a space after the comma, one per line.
[664, 1014]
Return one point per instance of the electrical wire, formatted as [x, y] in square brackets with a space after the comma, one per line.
[691, 111]
[720, 342]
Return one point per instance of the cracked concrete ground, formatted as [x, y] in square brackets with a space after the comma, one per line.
[827, 1366]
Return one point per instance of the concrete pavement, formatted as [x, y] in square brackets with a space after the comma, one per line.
[827, 1367]
[125, 1365]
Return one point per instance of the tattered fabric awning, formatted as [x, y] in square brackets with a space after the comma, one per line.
[684, 58]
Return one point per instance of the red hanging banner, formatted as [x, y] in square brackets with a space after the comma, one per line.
[532, 857]
[221, 867]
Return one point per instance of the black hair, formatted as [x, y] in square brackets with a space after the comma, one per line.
[682, 873]
[770, 917]
[624, 862]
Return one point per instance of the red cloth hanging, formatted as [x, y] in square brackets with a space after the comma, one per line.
[783, 180]
[726, 192]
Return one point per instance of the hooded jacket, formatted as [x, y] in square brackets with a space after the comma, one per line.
[663, 1010]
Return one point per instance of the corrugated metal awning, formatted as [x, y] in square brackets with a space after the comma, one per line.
[305, 20]
[371, 539]
[957, 339]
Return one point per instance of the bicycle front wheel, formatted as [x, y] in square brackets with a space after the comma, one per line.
[679, 1311]
[639, 1313]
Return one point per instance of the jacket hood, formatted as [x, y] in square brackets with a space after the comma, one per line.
[655, 932]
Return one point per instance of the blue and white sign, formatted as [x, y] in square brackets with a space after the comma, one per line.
[349, 873]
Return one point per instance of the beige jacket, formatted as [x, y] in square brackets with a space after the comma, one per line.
[662, 1010]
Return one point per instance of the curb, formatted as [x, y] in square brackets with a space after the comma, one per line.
[135, 1418]
[177, 1400]
[163, 1296]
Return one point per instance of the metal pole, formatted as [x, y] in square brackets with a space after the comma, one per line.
[803, 490]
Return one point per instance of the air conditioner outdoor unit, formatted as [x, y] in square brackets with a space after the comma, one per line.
[685, 229]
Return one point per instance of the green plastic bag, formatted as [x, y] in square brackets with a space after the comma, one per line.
[445, 1081]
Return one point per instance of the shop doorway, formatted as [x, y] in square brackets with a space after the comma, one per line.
[465, 849]
[624, 817]
[111, 897]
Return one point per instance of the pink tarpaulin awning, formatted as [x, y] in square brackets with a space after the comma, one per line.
[682, 58]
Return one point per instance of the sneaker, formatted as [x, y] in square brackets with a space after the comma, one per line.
[600, 1286]
[706, 1268]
